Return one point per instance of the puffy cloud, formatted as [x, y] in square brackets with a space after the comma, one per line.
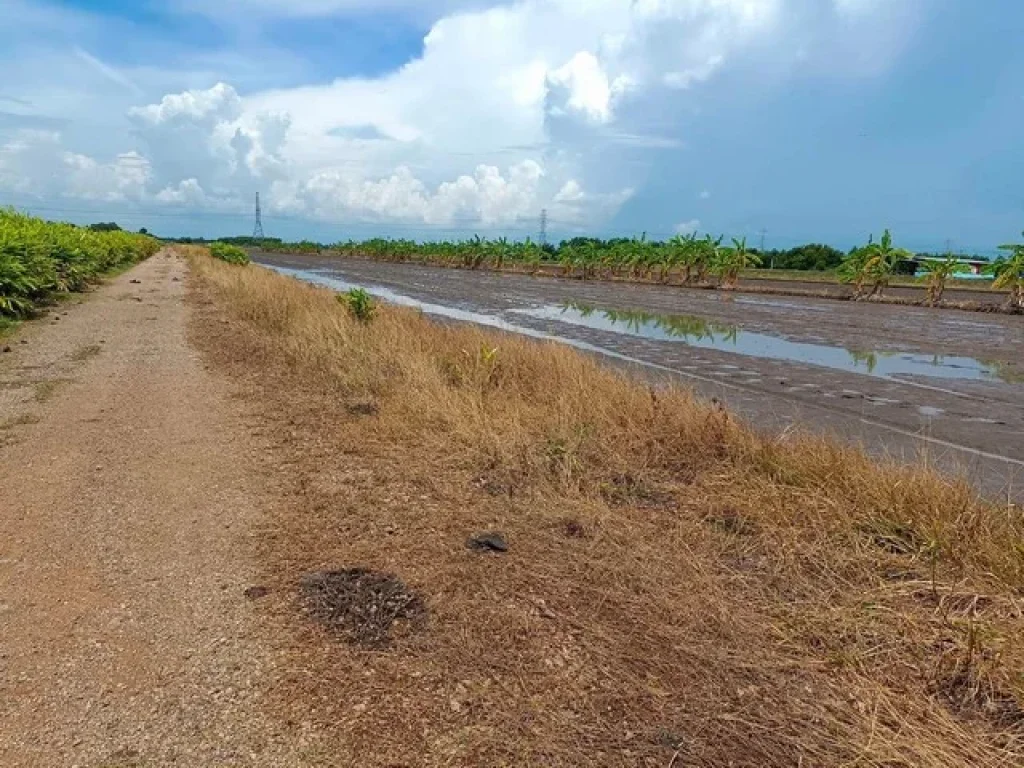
[586, 88]
[498, 117]
[34, 164]
[208, 137]
[571, 192]
[123, 179]
[211, 106]
[687, 227]
[187, 192]
[487, 197]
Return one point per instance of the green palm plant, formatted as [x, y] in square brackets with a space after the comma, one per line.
[731, 261]
[1009, 273]
[704, 255]
[681, 247]
[873, 265]
[937, 274]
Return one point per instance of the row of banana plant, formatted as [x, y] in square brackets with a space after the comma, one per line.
[871, 268]
[40, 258]
[688, 259]
[697, 259]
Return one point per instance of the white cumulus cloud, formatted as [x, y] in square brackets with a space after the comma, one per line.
[497, 118]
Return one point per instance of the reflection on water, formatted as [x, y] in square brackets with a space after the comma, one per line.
[686, 327]
[699, 332]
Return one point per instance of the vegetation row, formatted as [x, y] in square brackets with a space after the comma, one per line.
[39, 259]
[704, 261]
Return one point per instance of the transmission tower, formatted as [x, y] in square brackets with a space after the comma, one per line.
[543, 227]
[257, 230]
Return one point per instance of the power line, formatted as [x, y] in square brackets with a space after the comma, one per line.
[543, 239]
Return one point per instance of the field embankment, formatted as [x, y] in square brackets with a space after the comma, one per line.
[677, 590]
[40, 259]
[966, 295]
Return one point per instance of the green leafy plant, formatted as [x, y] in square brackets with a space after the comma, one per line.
[729, 262]
[360, 304]
[39, 258]
[1009, 273]
[872, 266]
[937, 273]
[232, 254]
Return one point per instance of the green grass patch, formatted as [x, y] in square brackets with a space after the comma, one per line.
[232, 254]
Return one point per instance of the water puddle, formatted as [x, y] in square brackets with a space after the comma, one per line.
[698, 332]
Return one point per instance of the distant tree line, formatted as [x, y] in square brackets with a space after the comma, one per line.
[813, 256]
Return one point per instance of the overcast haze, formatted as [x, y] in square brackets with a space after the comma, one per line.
[809, 119]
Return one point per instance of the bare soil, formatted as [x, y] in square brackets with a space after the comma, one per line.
[129, 505]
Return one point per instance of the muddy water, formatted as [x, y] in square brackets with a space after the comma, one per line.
[699, 332]
[902, 381]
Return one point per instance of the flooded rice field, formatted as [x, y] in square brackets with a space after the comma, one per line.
[902, 381]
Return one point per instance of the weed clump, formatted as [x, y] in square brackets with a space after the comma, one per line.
[231, 254]
[359, 303]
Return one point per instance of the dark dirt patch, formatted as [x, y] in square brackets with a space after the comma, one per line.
[901, 574]
[86, 352]
[362, 408]
[124, 758]
[629, 490]
[970, 699]
[363, 606]
[256, 593]
[893, 536]
[732, 522]
[573, 528]
[19, 421]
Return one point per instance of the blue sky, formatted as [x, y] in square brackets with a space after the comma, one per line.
[808, 120]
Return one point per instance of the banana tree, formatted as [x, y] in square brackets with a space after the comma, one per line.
[732, 260]
[881, 264]
[873, 265]
[1009, 273]
[703, 254]
[937, 272]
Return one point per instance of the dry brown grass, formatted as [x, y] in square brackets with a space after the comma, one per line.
[679, 591]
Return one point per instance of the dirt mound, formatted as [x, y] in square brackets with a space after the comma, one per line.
[361, 605]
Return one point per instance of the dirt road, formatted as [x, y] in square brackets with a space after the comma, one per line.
[129, 500]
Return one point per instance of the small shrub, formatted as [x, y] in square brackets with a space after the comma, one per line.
[360, 303]
[232, 254]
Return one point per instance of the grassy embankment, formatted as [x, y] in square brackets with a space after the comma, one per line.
[41, 260]
[679, 591]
